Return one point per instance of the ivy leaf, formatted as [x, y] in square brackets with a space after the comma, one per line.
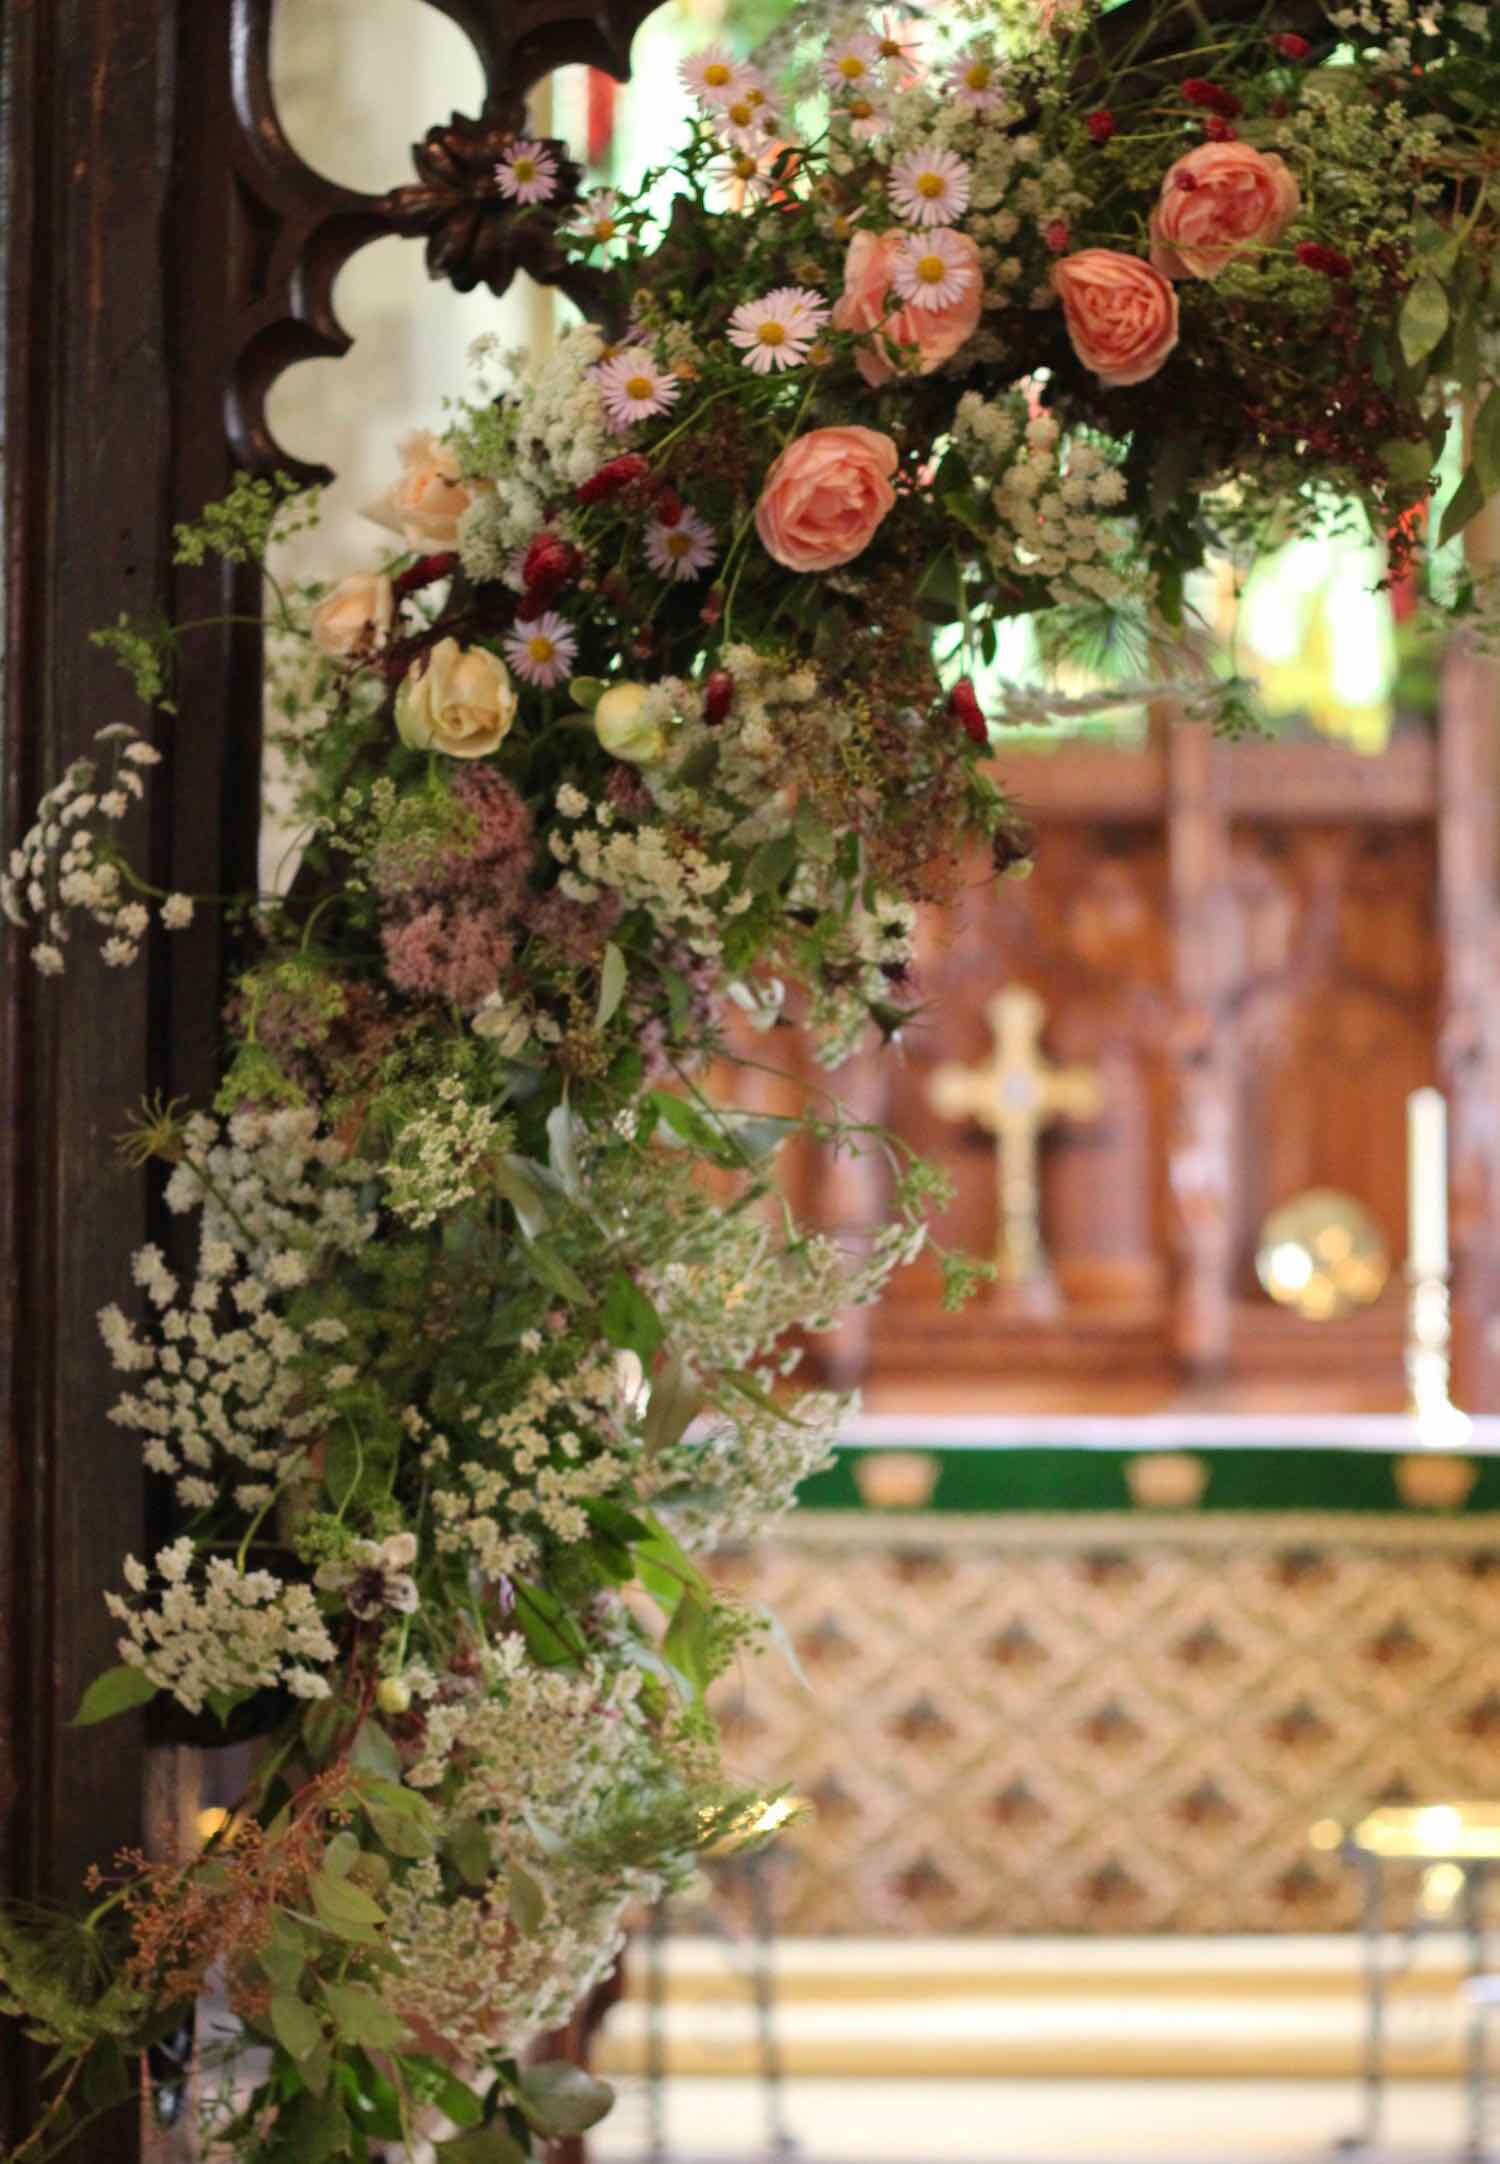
[629, 1319]
[560, 2099]
[363, 2018]
[613, 977]
[1423, 320]
[296, 2025]
[1484, 448]
[528, 1903]
[118, 1690]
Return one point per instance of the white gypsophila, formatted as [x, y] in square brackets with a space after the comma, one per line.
[232, 1631]
[531, 1468]
[558, 438]
[437, 1159]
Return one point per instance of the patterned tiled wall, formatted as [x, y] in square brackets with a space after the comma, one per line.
[1081, 1723]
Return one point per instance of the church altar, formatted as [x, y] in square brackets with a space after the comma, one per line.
[1112, 1673]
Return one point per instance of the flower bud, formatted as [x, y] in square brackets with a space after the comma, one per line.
[626, 726]
[616, 474]
[718, 695]
[392, 1695]
[355, 618]
[966, 710]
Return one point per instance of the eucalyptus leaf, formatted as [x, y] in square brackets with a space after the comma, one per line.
[613, 978]
[560, 2099]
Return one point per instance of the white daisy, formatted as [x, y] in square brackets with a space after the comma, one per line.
[852, 64]
[865, 114]
[528, 173]
[597, 218]
[682, 549]
[543, 649]
[633, 387]
[900, 43]
[931, 270]
[974, 81]
[713, 76]
[743, 175]
[929, 187]
[776, 331]
[746, 118]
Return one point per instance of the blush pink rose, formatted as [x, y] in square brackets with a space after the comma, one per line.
[1215, 203]
[1121, 314]
[937, 333]
[824, 497]
[425, 505]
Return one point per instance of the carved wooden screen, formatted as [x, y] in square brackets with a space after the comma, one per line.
[167, 256]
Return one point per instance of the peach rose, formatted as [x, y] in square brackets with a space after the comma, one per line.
[1215, 203]
[1121, 314]
[456, 699]
[937, 333]
[355, 618]
[425, 505]
[824, 497]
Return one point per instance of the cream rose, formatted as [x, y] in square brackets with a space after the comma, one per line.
[937, 333]
[1121, 314]
[824, 497]
[459, 700]
[627, 726]
[355, 618]
[1215, 203]
[425, 505]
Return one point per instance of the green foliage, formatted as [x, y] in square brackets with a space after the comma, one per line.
[239, 527]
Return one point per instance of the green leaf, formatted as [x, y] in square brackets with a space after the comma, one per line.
[1408, 464]
[586, 691]
[550, 1270]
[677, 1398]
[1435, 246]
[469, 1851]
[1466, 503]
[296, 2025]
[629, 1319]
[434, 2084]
[613, 1518]
[561, 2099]
[363, 2018]
[528, 1903]
[284, 1955]
[1484, 446]
[313, 2128]
[552, 1637]
[562, 1152]
[693, 1126]
[1423, 320]
[400, 1833]
[511, 1180]
[771, 864]
[613, 977]
[118, 1690]
[482, 2145]
[688, 1644]
[345, 1910]
[340, 1855]
[372, 1751]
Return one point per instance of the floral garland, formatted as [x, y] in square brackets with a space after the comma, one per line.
[665, 715]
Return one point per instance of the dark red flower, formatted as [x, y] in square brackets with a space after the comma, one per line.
[424, 571]
[1290, 46]
[616, 474]
[1055, 234]
[1313, 256]
[548, 566]
[1101, 125]
[718, 693]
[668, 506]
[1220, 131]
[1213, 97]
[968, 713]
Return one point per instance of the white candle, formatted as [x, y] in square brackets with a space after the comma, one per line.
[1427, 1184]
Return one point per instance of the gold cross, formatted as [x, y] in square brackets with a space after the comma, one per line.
[1015, 1095]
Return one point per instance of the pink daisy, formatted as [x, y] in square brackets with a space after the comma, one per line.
[713, 76]
[852, 63]
[683, 549]
[900, 43]
[931, 270]
[776, 331]
[543, 649]
[929, 187]
[633, 387]
[746, 119]
[528, 173]
[974, 80]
